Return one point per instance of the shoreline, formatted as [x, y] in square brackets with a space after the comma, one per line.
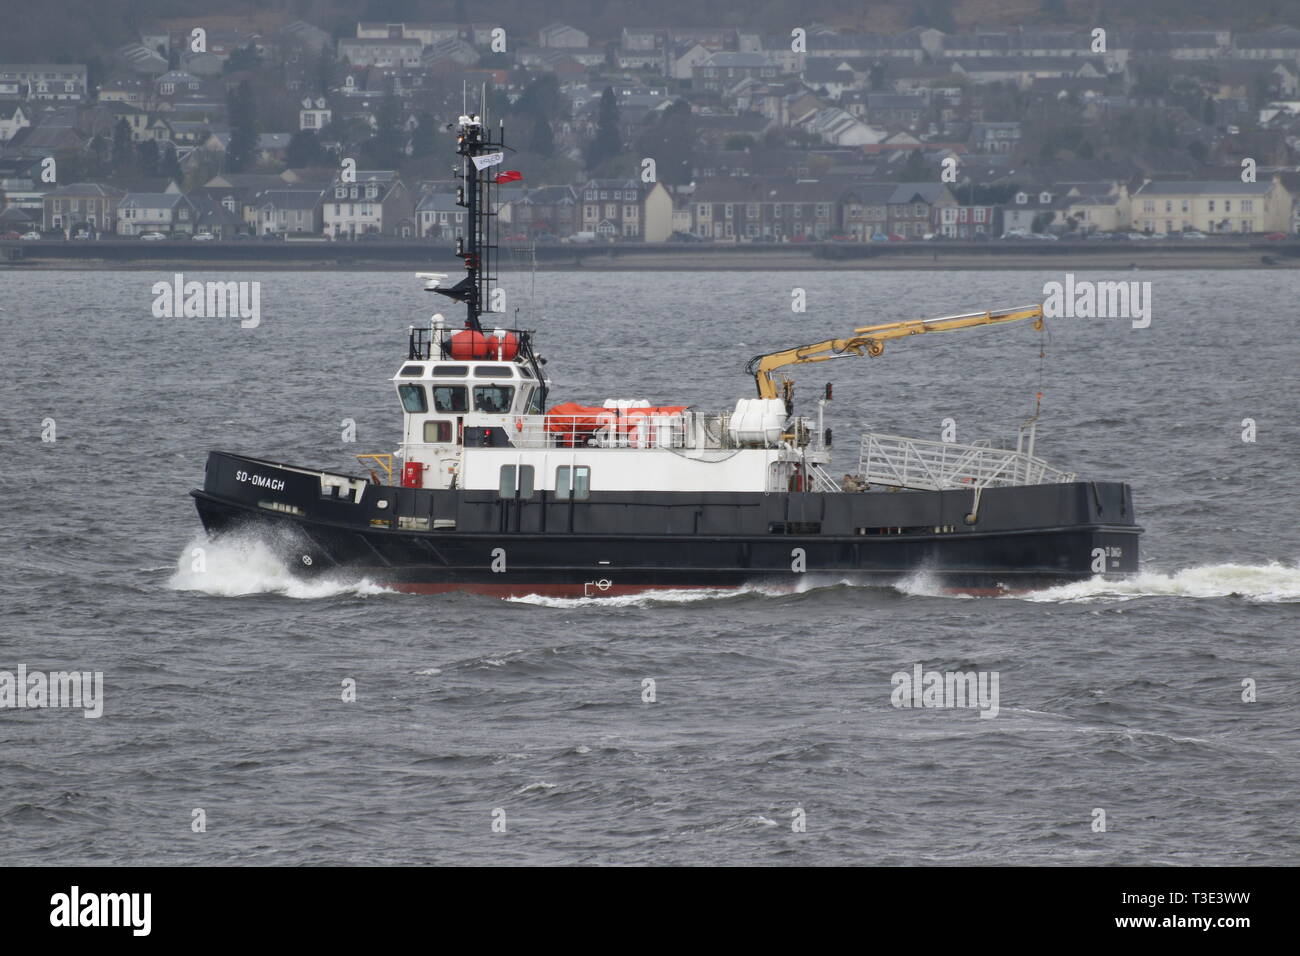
[259, 256]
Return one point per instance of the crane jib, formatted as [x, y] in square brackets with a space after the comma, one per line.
[871, 339]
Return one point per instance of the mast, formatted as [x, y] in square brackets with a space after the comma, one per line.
[480, 155]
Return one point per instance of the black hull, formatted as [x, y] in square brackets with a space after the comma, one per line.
[626, 542]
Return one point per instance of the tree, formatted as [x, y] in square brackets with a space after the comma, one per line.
[542, 141]
[325, 70]
[304, 150]
[384, 149]
[934, 13]
[121, 152]
[169, 165]
[98, 151]
[94, 75]
[913, 170]
[671, 143]
[424, 141]
[148, 153]
[242, 149]
[542, 97]
[241, 58]
[607, 142]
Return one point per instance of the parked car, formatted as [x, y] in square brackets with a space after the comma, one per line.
[898, 239]
[9, 235]
[548, 237]
[1194, 234]
[152, 236]
[203, 237]
[1276, 236]
[879, 237]
[1043, 236]
[30, 235]
[1016, 234]
[1097, 236]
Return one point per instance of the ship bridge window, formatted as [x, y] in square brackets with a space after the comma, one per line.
[533, 405]
[525, 372]
[413, 398]
[450, 398]
[437, 432]
[494, 371]
[493, 399]
[572, 482]
[411, 371]
[449, 370]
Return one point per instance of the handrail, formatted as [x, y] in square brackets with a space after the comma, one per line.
[915, 463]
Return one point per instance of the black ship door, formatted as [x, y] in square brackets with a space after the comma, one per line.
[515, 491]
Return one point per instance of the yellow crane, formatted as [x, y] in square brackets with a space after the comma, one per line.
[871, 340]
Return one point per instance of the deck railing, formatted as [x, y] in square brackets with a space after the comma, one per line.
[615, 429]
[916, 463]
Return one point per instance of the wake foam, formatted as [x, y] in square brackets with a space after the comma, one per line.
[656, 598]
[1260, 583]
[672, 596]
[236, 565]
[928, 584]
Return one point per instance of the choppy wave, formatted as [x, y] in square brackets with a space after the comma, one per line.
[238, 565]
[1262, 583]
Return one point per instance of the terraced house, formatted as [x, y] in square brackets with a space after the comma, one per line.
[773, 211]
[89, 205]
[544, 211]
[44, 81]
[284, 211]
[916, 209]
[169, 212]
[864, 211]
[377, 203]
[626, 209]
[440, 216]
[1212, 206]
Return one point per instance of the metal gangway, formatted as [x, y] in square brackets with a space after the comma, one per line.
[918, 464]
